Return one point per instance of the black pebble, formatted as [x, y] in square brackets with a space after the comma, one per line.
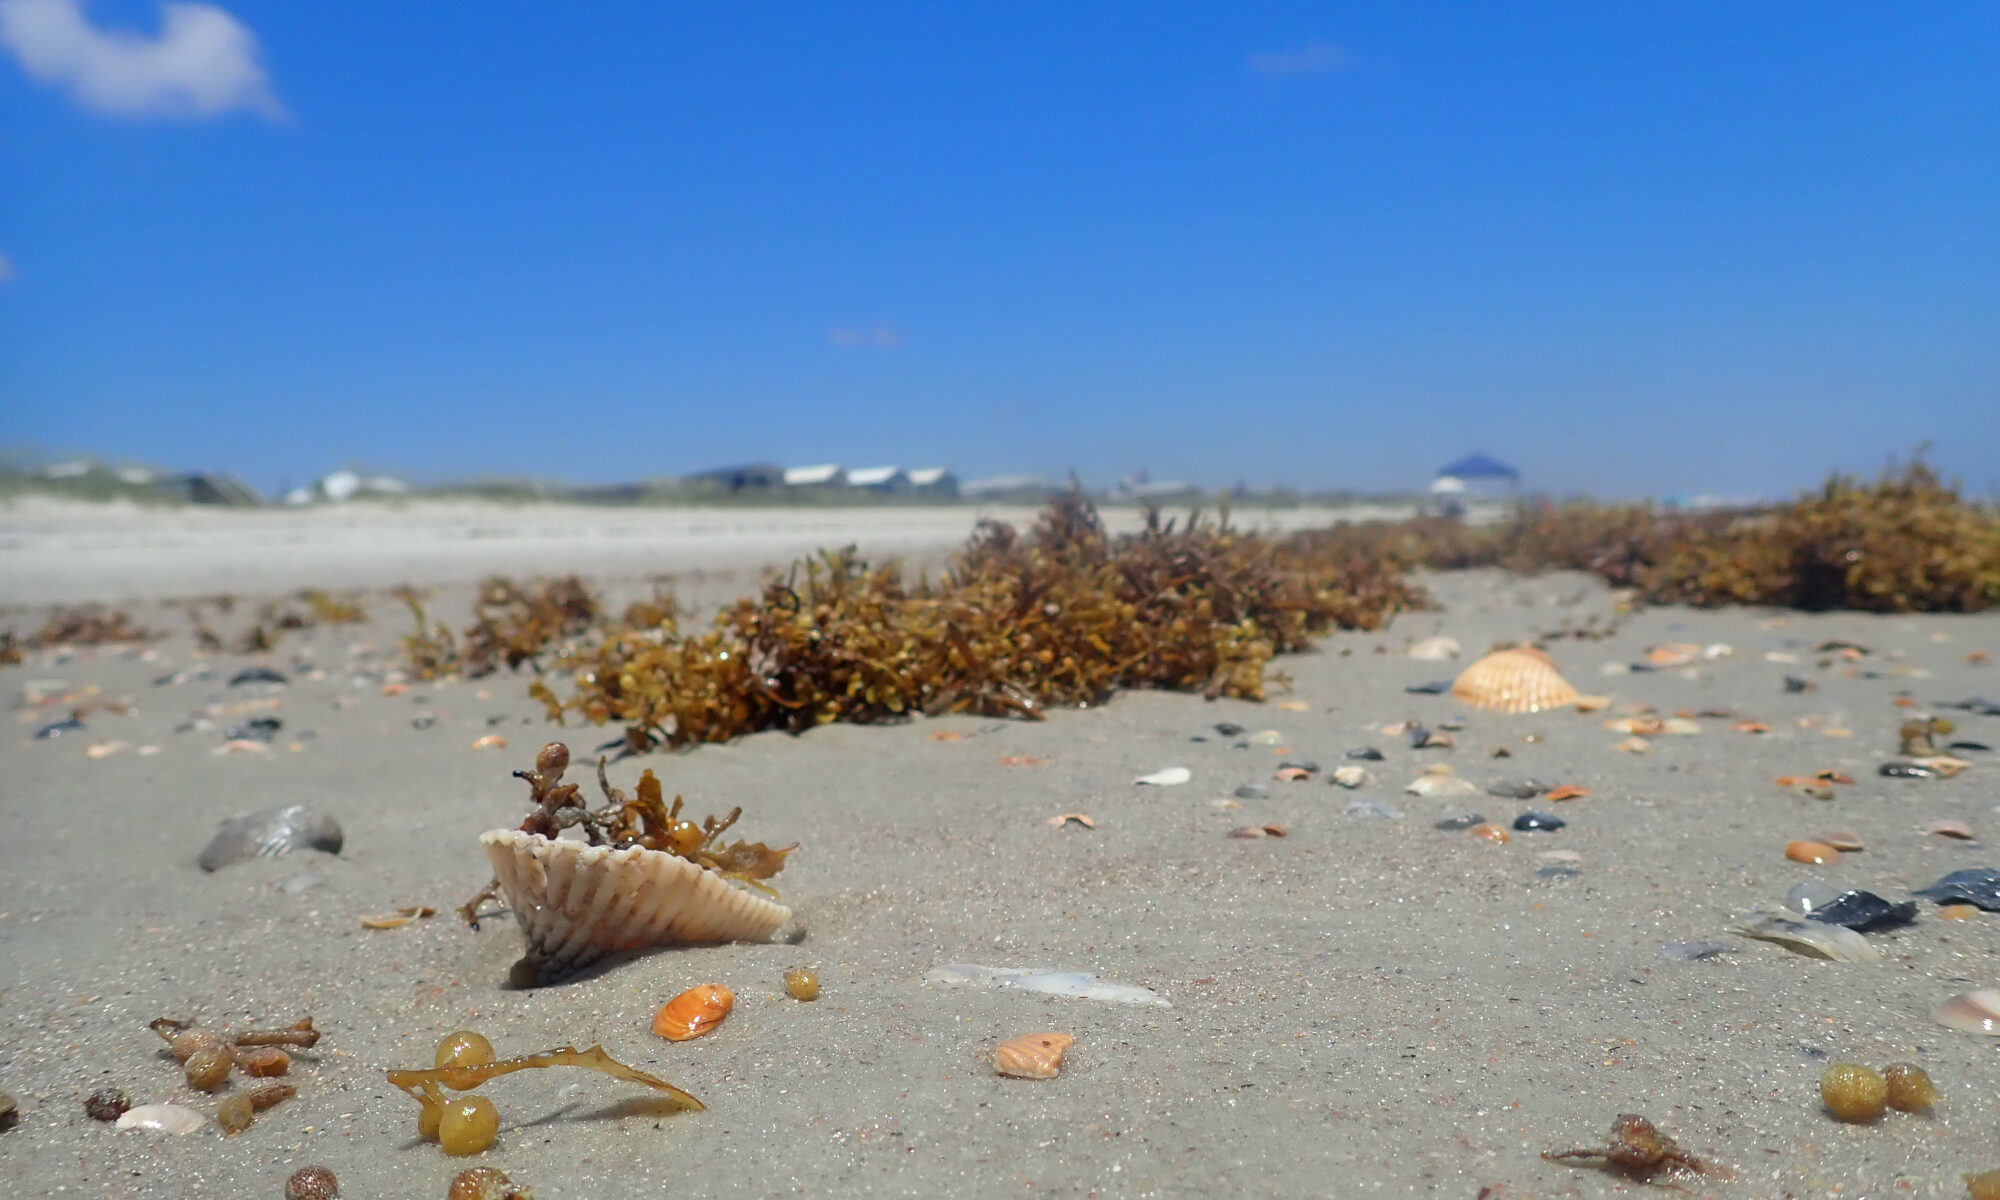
[1457, 823]
[1310, 768]
[1436, 687]
[1228, 730]
[1973, 885]
[1517, 789]
[1534, 822]
[255, 675]
[56, 730]
[1365, 754]
[423, 722]
[257, 729]
[1899, 769]
[1794, 684]
[1863, 911]
[1977, 747]
[1253, 791]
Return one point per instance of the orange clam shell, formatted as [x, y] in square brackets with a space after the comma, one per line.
[694, 1012]
[1032, 1055]
[1811, 852]
[1517, 681]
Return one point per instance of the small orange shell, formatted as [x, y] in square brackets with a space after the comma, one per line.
[1568, 791]
[1491, 832]
[1517, 681]
[1751, 727]
[1032, 1055]
[1811, 852]
[1292, 774]
[694, 1012]
[1948, 828]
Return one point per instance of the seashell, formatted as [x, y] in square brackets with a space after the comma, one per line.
[1809, 894]
[162, 1118]
[1032, 1055]
[1364, 754]
[1635, 745]
[1056, 983]
[1751, 727]
[1267, 737]
[1291, 774]
[1591, 704]
[1973, 885]
[1516, 789]
[1460, 823]
[1676, 654]
[1170, 777]
[1950, 829]
[268, 833]
[1956, 911]
[1436, 786]
[1351, 776]
[1840, 839]
[1971, 1012]
[1517, 681]
[1062, 819]
[1568, 791]
[1817, 853]
[1864, 911]
[1434, 649]
[577, 903]
[492, 741]
[1809, 937]
[1944, 764]
[1637, 725]
[1491, 832]
[1680, 727]
[104, 749]
[694, 1012]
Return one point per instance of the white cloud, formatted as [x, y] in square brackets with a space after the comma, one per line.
[1313, 58]
[866, 337]
[203, 62]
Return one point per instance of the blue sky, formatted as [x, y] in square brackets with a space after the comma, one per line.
[1632, 249]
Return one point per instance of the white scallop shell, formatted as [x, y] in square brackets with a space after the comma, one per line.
[162, 1118]
[577, 903]
[1970, 1012]
[1518, 681]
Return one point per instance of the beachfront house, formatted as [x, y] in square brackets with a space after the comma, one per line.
[820, 475]
[933, 481]
[890, 481]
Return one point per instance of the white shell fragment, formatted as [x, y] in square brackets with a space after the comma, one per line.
[577, 903]
[1434, 649]
[1352, 776]
[162, 1118]
[1166, 778]
[1056, 983]
[1970, 1012]
[1441, 785]
[1815, 938]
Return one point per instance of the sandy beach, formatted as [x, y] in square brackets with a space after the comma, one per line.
[1368, 1005]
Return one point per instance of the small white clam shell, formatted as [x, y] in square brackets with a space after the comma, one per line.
[1814, 938]
[1166, 778]
[1434, 649]
[1351, 776]
[1971, 1012]
[162, 1118]
[1441, 785]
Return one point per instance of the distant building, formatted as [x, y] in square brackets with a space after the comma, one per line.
[1006, 485]
[820, 475]
[340, 486]
[934, 481]
[216, 487]
[879, 479]
[746, 477]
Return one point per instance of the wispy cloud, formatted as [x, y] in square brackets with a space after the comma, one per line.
[866, 337]
[1314, 58]
[202, 63]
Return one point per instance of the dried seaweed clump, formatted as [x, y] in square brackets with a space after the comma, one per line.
[88, 625]
[513, 624]
[1064, 615]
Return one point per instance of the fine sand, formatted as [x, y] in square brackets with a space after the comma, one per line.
[1367, 1006]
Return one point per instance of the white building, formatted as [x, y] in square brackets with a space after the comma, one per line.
[820, 475]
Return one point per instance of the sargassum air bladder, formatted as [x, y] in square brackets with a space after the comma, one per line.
[577, 903]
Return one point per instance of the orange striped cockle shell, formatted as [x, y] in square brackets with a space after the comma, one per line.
[1522, 680]
[694, 1012]
[1032, 1055]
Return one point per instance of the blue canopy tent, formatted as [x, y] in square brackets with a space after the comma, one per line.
[1475, 473]
[1480, 467]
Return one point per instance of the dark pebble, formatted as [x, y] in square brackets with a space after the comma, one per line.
[1252, 791]
[1863, 911]
[59, 728]
[257, 729]
[1454, 824]
[1517, 789]
[1794, 684]
[106, 1104]
[1197, 738]
[423, 722]
[255, 675]
[1899, 769]
[1436, 687]
[1365, 754]
[1228, 730]
[1978, 704]
[1973, 885]
[1975, 747]
[1534, 822]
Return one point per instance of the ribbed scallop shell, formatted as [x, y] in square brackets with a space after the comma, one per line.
[1032, 1055]
[694, 1012]
[577, 903]
[1518, 681]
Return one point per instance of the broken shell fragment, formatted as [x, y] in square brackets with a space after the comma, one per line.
[162, 1118]
[1635, 745]
[1809, 937]
[1971, 1012]
[577, 903]
[1170, 777]
[1440, 785]
[1434, 649]
[694, 1012]
[1841, 839]
[1491, 832]
[268, 833]
[1949, 829]
[1973, 885]
[1516, 681]
[1568, 791]
[1351, 776]
[1032, 1055]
